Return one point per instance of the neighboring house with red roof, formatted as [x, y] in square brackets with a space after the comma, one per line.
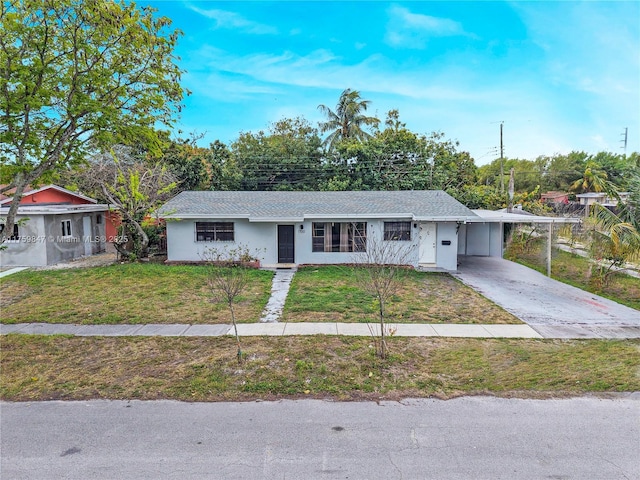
[555, 197]
[53, 225]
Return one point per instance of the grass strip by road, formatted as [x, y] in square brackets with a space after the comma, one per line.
[575, 270]
[125, 293]
[37, 367]
[332, 294]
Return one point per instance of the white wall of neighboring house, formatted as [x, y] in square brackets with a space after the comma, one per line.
[30, 249]
[41, 241]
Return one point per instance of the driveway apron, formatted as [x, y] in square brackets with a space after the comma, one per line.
[539, 300]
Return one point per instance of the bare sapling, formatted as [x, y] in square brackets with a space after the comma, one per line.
[380, 271]
[227, 277]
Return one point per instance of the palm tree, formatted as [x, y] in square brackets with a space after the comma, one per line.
[348, 120]
[616, 236]
[594, 179]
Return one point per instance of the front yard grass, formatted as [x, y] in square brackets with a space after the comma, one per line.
[124, 293]
[575, 270]
[155, 293]
[331, 294]
[38, 367]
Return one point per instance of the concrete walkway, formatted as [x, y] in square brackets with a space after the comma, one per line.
[279, 291]
[353, 329]
[12, 271]
[275, 329]
[552, 308]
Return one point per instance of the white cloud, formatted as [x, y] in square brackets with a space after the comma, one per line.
[412, 30]
[322, 69]
[232, 20]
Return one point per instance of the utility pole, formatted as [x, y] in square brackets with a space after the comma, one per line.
[511, 189]
[624, 139]
[501, 161]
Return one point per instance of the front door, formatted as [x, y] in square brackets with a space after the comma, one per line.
[286, 244]
[427, 247]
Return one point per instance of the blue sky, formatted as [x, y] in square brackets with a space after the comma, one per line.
[561, 75]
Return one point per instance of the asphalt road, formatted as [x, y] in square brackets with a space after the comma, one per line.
[466, 438]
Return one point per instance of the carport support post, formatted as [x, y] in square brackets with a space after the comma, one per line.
[549, 237]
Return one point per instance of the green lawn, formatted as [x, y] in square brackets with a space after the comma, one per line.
[575, 270]
[332, 294]
[38, 367]
[124, 293]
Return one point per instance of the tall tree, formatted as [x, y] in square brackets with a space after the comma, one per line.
[594, 179]
[348, 120]
[76, 75]
[132, 187]
[286, 157]
[187, 162]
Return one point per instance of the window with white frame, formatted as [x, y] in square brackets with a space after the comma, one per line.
[339, 237]
[66, 228]
[400, 231]
[214, 232]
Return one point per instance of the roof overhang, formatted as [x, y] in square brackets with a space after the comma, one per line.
[324, 216]
[56, 209]
[490, 216]
[276, 219]
[457, 219]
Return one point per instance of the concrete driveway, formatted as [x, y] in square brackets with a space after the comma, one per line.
[546, 304]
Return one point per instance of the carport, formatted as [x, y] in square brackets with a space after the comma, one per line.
[483, 234]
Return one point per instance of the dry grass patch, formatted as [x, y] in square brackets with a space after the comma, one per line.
[205, 369]
[331, 294]
[129, 293]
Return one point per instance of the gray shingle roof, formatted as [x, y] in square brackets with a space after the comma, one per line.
[418, 204]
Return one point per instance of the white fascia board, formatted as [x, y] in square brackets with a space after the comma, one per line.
[523, 219]
[358, 216]
[442, 219]
[276, 219]
[203, 216]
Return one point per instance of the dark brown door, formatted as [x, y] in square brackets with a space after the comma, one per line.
[286, 244]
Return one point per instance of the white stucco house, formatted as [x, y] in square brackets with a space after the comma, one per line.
[298, 228]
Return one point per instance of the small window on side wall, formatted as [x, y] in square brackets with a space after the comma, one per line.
[397, 231]
[66, 228]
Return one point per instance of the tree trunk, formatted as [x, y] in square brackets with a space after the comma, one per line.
[235, 329]
[20, 182]
[383, 341]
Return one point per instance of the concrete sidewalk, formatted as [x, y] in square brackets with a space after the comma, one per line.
[275, 329]
[353, 329]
